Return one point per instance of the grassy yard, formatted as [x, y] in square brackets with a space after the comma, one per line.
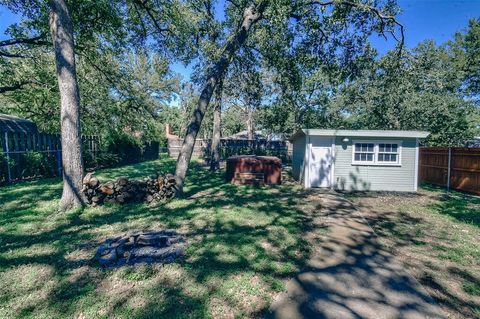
[437, 236]
[243, 243]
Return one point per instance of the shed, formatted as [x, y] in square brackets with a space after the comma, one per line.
[13, 124]
[363, 160]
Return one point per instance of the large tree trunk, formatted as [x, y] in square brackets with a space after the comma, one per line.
[251, 15]
[72, 162]
[216, 134]
[250, 124]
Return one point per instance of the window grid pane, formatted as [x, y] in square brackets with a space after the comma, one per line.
[388, 152]
[388, 148]
[364, 152]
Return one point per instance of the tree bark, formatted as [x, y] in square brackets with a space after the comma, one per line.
[72, 161]
[250, 125]
[216, 134]
[251, 15]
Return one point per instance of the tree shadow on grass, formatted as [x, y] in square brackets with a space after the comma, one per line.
[402, 230]
[461, 206]
[353, 276]
[230, 231]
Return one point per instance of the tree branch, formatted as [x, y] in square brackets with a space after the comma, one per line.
[382, 17]
[12, 55]
[140, 18]
[35, 40]
[150, 12]
[16, 86]
[234, 3]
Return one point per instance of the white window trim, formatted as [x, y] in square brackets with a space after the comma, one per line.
[375, 161]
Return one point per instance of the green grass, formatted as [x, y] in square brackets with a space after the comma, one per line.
[437, 234]
[243, 243]
[456, 205]
[472, 288]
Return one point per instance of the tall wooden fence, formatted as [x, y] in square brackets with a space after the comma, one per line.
[456, 168]
[229, 147]
[26, 156]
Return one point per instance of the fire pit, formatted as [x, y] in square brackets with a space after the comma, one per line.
[254, 170]
[150, 247]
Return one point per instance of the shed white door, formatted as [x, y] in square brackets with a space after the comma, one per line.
[320, 166]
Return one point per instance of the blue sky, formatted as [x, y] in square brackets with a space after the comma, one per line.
[431, 19]
[423, 19]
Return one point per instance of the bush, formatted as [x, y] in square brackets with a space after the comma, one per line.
[127, 148]
[100, 159]
[121, 149]
[38, 164]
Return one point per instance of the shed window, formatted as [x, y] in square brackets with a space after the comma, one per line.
[364, 152]
[376, 153]
[388, 152]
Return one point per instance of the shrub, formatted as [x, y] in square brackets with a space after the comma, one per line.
[38, 164]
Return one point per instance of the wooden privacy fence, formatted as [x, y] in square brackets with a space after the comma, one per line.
[26, 156]
[229, 147]
[456, 168]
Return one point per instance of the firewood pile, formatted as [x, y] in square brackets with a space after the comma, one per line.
[151, 189]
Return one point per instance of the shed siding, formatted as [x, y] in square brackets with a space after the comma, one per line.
[298, 158]
[374, 178]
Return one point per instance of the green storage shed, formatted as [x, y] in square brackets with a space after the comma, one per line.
[357, 160]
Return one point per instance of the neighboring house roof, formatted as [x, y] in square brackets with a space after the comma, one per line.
[15, 124]
[360, 133]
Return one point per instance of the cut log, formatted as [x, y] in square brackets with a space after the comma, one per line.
[107, 190]
[122, 181]
[120, 199]
[87, 178]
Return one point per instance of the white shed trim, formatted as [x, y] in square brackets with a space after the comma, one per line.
[306, 167]
[332, 171]
[415, 177]
[361, 133]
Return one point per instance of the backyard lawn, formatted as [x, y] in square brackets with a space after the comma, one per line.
[243, 243]
[437, 236]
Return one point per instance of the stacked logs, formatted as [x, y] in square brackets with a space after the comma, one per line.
[160, 187]
[151, 189]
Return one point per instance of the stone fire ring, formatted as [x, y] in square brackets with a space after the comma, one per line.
[149, 247]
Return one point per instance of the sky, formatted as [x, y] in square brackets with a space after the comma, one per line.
[423, 19]
[431, 19]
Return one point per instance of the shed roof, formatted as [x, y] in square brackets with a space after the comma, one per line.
[360, 133]
[15, 124]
